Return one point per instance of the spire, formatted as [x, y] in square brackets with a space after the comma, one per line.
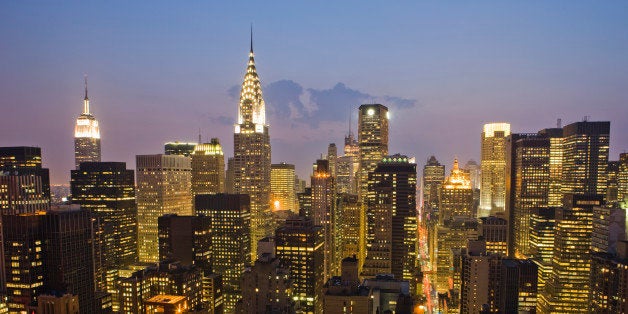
[252, 108]
[199, 135]
[455, 164]
[86, 99]
[251, 37]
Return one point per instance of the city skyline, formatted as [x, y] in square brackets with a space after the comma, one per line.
[451, 68]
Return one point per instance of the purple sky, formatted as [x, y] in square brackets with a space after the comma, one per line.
[158, 71]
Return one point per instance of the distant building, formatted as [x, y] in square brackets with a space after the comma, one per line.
[163, 187]
[86, 135]
[493, 163]
[433, 178]
[325, 214]
[282, 187]
[622, 181]
[305, 203]
[455, 196]
[348, 224]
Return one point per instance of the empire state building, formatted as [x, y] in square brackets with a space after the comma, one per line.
[251, 156]
[86, 135]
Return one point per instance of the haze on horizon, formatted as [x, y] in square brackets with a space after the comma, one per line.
[159, 71]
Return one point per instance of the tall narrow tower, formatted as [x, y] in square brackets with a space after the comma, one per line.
[251, 154]
[493, 188]
[86, 135]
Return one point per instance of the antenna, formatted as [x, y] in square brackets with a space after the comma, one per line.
[559, 123]
[199, 136]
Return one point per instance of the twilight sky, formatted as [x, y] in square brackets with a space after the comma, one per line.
[159, 71]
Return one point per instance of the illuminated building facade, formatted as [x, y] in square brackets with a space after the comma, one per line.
[480, 279]
[542, 224]
[373, 147]
[609, 281]
[455, 196]
[347, 166]
[451, 235]
[107, 189]
[208, 168]
[494, 231]
[179, 148]
[163, 187]
[433, 178]
[86, 135]
[518, 286]
[325, 215]
[282, 187]
[349, 224]
[230, 216]
[391, 216]
[612, 172]
[343, 294]
[332, 156]
[26, 161]
[567, 288]
[251, 154]
[622, 181]
[585, 158]
[493, 164]
[301, 245]
[305, 203]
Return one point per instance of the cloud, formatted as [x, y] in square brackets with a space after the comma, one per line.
[288, 101]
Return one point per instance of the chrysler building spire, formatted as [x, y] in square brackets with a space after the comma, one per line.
[252, 110]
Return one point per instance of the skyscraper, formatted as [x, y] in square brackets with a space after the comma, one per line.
[282, 187]
[332, 155]
[186, 239]
[392, 219]
[107, 189]
[86, 135]
[25, 161]
[433, 177]
[163, 187]
[208, 168]
[251, 153]
[622, 181]
[324, 213]
[230, 219]
[347, 166]
[455, 196]
[300, 245]
[348, 223]
[373, 147]
[493, 163]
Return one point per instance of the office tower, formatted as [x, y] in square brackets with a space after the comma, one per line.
[305, 203]
[208, 168]
[163, 187]
[391, 216]
[300, 245]
[493, 164]
[166, 278]
[351, 148]
[267, 285]
[343, 294]
[348, 223]
[251, 154]
[229, 176]
[527, 187]
[612, 187]
[230, 216]
[86, 135]
[22, 193]
[373, 146]
[25, 161]
[282, 187]
[433, 178]
[325, 215]
[518, 286]
[186, 239]
[622, 181]
[585, 158]
[567, 287]
[345, 175]
[542, 223]
[480, 279]
[609, 281]
[179, 148]
[68, 255]
[494, 231]
[107, 190]
[475, 174]
[332, 155]
[454, 196]
[22, 260]
[609, 227]
[299, 185]
[451, 235]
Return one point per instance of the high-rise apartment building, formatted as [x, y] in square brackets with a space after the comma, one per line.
[300, 244]
[208, 168]
[230, 217]
[251, 154]
[282, 187]
[107, 190]
[163, 187]
[454, 196]
[493, 163]
[433, 178]
[392, 219]
[86, 135]
[325, 215]
[373, 147]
